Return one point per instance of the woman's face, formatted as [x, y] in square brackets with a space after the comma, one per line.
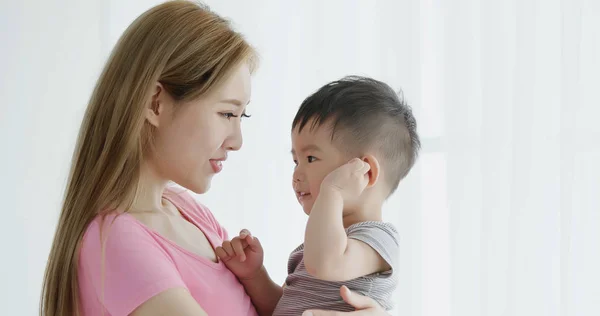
[192, 140]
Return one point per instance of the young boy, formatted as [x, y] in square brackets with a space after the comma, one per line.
[352, 142]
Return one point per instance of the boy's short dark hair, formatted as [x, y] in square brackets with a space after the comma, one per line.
[365, 115]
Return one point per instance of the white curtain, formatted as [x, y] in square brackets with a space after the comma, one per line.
[501, 215]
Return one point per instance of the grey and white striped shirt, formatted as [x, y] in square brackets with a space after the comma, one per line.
[302, 291]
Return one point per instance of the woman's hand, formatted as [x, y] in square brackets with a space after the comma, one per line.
[365, 306]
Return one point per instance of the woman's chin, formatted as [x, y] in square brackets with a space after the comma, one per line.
[200, 190]
[200, 186]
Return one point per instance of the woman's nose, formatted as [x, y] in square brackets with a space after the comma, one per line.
[235, 140]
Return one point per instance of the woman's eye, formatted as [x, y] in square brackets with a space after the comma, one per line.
[228, 115]
[311, 158]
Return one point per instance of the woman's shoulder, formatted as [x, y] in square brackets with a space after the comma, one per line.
[123, 263]
[113, 222]
[112, 230]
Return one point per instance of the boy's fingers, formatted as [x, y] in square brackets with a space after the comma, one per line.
[359, 166]
[228, 249]
[366, 167]
[239, 249]
[222, 254]
[357, 163]
[244, 241]
[244, 232]
[254, 243]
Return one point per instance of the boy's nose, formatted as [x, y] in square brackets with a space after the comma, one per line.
[297, 177]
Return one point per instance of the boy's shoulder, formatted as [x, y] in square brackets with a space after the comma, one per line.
[381, 236]
[375, 228]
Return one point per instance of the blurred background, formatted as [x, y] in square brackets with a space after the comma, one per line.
[501, 215]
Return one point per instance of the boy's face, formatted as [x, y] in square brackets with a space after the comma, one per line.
[315, 157]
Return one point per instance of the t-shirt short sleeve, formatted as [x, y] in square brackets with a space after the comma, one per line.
[131, 268]
[382, 237]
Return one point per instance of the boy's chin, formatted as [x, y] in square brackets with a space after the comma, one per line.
[306, 209]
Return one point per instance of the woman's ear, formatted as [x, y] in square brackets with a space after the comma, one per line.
[374, 170]
[155, 106]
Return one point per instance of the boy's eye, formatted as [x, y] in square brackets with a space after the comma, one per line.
[295, 162]
[311, 159]
[245, 115]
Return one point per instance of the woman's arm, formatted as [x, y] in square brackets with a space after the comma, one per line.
[176, 301]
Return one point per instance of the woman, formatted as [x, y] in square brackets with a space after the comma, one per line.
[167, 107]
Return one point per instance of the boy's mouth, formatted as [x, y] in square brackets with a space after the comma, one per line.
[302, 196]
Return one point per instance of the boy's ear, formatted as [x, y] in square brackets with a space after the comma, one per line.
[374, 170]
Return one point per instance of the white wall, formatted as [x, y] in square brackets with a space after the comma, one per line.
[499, 217]
[51, 54]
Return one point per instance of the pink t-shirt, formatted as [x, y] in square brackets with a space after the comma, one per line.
[139, 264]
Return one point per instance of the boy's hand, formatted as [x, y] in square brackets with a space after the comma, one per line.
[243, 255]
[349, 180]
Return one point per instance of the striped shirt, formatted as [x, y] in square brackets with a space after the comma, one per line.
[302, 291]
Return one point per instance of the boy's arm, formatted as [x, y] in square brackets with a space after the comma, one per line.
[328, 252]
[263, 292]
[243, 256]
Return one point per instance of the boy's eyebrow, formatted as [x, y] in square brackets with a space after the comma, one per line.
[307, 148]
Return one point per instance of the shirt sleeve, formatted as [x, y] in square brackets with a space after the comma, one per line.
[130, 268]
[382, 237]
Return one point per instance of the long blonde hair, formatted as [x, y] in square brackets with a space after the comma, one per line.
[189, 50]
